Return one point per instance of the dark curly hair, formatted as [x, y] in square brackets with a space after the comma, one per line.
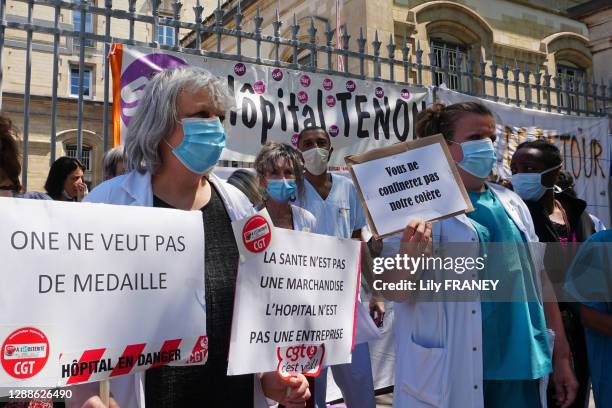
[10, 161]
[58, 173]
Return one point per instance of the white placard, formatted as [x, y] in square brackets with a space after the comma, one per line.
[299, 290]
[114, 289]
[411, 184]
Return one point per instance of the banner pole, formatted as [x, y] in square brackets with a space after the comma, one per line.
[105, 392]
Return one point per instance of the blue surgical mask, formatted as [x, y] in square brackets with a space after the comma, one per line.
[529, 185]
[281, 189]
[203, 142]
[478, 157]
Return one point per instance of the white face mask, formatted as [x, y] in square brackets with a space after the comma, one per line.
[315, 160]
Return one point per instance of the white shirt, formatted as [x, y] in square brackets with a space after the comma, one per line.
[439, 344]
[303, 220]
[340, 213]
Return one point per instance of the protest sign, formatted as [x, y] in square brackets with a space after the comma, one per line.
[584, 143]
[276, 103]
[415, 180]
[295, 299]
[93, 291]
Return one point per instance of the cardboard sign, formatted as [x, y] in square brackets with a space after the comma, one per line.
[94, 291]
[415, 180]
[295, 299]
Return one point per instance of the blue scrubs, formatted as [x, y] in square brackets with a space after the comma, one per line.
[593, 263]
[515, 344]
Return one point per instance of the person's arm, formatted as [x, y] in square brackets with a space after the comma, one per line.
[564, 380]
[596, 320]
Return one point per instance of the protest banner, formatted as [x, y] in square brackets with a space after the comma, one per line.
[94, 291]
[583, 142]
[274, 103]
[415, 180]
[295, 301]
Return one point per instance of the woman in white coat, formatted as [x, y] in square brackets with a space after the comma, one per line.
[472, 354]
[174, 140]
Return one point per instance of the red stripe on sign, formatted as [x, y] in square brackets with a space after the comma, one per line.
[86, 357]
[128, 359]
[167, 346]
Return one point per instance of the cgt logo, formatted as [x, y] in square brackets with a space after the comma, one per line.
[256, 234]
[9, 350]
[25, 353]
[304, 359]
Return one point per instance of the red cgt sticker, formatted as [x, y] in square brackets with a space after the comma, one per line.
[25, 353]
[256, 234]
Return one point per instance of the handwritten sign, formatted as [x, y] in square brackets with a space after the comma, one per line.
[295, 300]
[411, 180]
[94, 291]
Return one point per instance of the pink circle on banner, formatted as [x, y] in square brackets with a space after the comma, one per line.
[277, 74]
[379, 92]
[330, 101]
[240, 69]
[350, 85]
[328, 84]
[405, 94]
[302, 97]
[259, 87]
[294, 139]
[334, 130]
[305, 81]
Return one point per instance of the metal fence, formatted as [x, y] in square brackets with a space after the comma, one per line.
[525, 86]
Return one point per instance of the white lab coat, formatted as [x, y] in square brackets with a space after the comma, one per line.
[439, 344]
[135, 188]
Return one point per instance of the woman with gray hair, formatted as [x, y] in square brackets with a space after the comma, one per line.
[113, 162]
[280, 170]
[174, 140]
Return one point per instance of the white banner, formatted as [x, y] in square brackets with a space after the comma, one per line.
[274, 104]
[92, 291]
[296, 297]
[583, 141]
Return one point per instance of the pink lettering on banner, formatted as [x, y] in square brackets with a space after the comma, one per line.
[305, 81]
[277, 74]
[405, 94]
[334, 130]
[330, 101]
[379, 92]
[302, 97]
[259, 87]
[305, 359]
[350, 85]
[240, 69]
[328, 84]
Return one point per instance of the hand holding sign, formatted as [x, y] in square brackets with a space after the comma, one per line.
[408, 181]
[292, 392]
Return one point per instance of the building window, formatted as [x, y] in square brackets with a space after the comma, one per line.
[87, 82]
[573, 75]
[453, 51]
[165, 35]
[71, 151]
[89, 28]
